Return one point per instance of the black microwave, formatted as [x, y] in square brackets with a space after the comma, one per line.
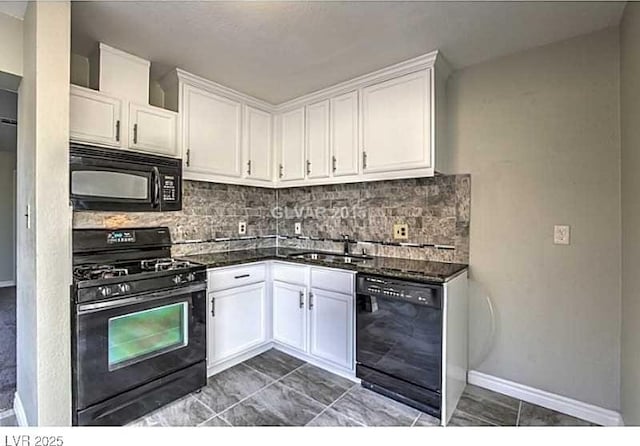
[103, 179]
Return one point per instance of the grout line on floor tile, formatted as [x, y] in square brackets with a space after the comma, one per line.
[416, 420]
[334, 402]
[519, 411]
[244, 399]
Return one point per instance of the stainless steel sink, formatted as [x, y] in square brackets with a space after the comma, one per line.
[331, 257]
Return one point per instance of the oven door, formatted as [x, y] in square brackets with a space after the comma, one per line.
[124, 343]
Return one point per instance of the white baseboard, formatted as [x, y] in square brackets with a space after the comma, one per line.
[578, 409]
[7, 283]
[21, 416]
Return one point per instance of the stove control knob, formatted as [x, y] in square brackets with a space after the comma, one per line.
[124, 287]
[177, 280]
[191, 277]
[105, 291]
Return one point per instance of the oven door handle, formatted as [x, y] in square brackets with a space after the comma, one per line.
[101, 306]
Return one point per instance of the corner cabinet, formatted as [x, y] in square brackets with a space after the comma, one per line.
[396, 124]
[257, 144]
[291, 136]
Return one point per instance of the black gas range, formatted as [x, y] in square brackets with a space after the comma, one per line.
[139, 324]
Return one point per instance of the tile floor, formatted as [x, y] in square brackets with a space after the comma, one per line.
[275, 389]
[7, 347]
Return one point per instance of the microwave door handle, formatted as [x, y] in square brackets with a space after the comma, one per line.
[156, 187]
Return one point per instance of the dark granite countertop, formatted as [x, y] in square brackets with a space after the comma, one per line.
[419, 270]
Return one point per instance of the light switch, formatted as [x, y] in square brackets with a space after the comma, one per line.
[561, 234]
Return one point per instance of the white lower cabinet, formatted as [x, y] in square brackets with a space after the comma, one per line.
[238, 321]
[316, 318]
[331, 327]
[289, 316]
[305, 310]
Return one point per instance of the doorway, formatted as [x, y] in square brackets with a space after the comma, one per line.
[8, 147]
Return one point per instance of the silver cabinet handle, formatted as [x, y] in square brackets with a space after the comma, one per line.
[188, 157]
[213, 306]
[308, 167]
[310, 301]
[301, 299]
[281, 171]
[333, 164]
[242, 276]
[118, 130]
[364, 159]
[249, 167]
[135, 133]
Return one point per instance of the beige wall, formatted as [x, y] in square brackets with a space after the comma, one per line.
[44, 257]
[630, 137]
[539, 133]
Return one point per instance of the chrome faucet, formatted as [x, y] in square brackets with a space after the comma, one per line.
[345, 237]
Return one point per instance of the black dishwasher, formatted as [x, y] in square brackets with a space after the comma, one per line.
[399, 340]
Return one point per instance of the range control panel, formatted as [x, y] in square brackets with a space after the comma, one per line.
[412, 292]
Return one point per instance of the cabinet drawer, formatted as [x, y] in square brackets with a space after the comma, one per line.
[221, 279]
[332, 280]
[290, 273]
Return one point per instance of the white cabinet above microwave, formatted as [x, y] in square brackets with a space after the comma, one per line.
[100, 119]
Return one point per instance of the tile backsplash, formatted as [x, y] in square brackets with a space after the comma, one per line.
[435, 209]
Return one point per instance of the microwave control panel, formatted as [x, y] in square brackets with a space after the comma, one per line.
[168, 188]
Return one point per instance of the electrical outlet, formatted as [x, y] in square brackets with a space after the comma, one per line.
[401, 231]
[561, 234]
[242, 227]
[297, 228]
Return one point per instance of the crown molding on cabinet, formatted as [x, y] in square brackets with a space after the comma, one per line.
[428, 60]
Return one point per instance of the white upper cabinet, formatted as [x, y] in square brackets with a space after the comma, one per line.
[120, 74]
[396, 124]
[344, 135]
[257, 144]
[212, 129]
[291, 136]
[317, 140]
[95, 117]
[153, 129]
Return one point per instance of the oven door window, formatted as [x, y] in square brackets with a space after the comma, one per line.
[138, 336]
[110, 184]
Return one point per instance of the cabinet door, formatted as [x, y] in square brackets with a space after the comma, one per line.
[318, 140]
[396, 124]
[292, 145]
[289, 315]
[344, 135]
[257, 142]
[153, 129]
[94, 117]
[331, 328]
[212, 133]
[239, 321]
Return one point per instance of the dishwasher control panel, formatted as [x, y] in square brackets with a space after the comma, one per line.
[412, 292]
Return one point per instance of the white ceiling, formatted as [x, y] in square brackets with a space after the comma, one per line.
[14, 9]
[280, 50]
